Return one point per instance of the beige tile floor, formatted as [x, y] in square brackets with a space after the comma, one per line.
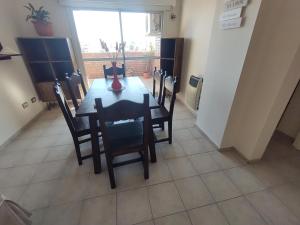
[191, 184]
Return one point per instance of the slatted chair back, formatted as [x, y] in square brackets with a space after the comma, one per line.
[72, 85]
[108, 72]
[158, 77]
[82, 82]
[170, 87]
[123, 110]
[63, 104]
[72, 81]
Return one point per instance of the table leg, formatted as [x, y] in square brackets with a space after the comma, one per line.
[95, 144]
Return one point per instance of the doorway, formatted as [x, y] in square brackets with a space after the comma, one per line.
[142, 50]
[281, 143]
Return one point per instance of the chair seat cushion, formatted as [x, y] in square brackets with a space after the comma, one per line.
[83, 125]
[159, 114]
[125, 135]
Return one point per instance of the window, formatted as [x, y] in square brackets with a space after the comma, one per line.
[142, 51]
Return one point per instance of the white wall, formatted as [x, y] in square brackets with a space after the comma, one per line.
[58, 15]
[290, 121]
[15, 86]
[270, 74]
[227, 52]
[196, 25]
[171, 27]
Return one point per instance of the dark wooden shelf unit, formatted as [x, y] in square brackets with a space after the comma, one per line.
[171, 50]
[47, 59]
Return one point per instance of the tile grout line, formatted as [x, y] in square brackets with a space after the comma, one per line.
[80, 212]
[215, 201]
[148, 196]
[173, 180]
[256, 210]
[116, 208]
[186, 210]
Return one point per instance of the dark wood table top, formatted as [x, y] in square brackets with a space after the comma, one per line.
[134, 90]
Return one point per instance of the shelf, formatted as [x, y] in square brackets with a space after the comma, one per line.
[58, 49]
[51, 61]
[47, 59]
[33, 49]
[172, 59]
[61, 68]
[7, 57]
[42, 72]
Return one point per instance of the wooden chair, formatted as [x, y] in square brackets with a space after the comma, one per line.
[79, 127]
[72, 85]
[158, 77]
[82, 82]
[108, 73]
[127, 137]
[161, 115]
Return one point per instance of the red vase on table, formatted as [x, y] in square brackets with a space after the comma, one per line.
[116, 84]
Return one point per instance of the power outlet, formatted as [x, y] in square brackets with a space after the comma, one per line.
[25, 105]
[33, 99]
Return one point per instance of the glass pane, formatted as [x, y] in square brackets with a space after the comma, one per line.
[140, 48]
[141, 67]
[138, 43]
[92, 26]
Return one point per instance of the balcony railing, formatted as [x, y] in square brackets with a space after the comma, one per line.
[136, 63]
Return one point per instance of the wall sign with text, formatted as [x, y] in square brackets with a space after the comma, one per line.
[233, 4]
[231, 24]
[232, 15]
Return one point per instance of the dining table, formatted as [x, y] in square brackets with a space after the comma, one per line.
[133, 90]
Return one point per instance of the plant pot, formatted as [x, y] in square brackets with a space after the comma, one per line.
[42, 28]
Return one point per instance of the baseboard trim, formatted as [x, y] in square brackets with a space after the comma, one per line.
[204, 134]
[228, 148]
[240, 154]
[15, 135]
[180, 97]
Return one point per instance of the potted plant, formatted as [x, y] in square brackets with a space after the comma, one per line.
[40, 19]
[149, 54]
[116, 84]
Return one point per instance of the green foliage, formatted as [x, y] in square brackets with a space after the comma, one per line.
[40, 14]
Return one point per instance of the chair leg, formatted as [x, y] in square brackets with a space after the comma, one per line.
[110, 172]
[162, 126]
[152, 146]
[78, 153]
[170, 131]
[146, 164]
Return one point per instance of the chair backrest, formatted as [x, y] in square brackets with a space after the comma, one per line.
[158, 77]
[72, 85]
[123, 110]
[169, 87]
[82, 82]
[63, 104]
[108, 72]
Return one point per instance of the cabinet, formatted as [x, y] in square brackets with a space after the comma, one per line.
[47, 59]
[171, 50]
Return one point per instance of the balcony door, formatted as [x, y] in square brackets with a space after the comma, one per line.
[141, 52]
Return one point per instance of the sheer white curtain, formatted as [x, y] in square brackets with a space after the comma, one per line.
[148, 5]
